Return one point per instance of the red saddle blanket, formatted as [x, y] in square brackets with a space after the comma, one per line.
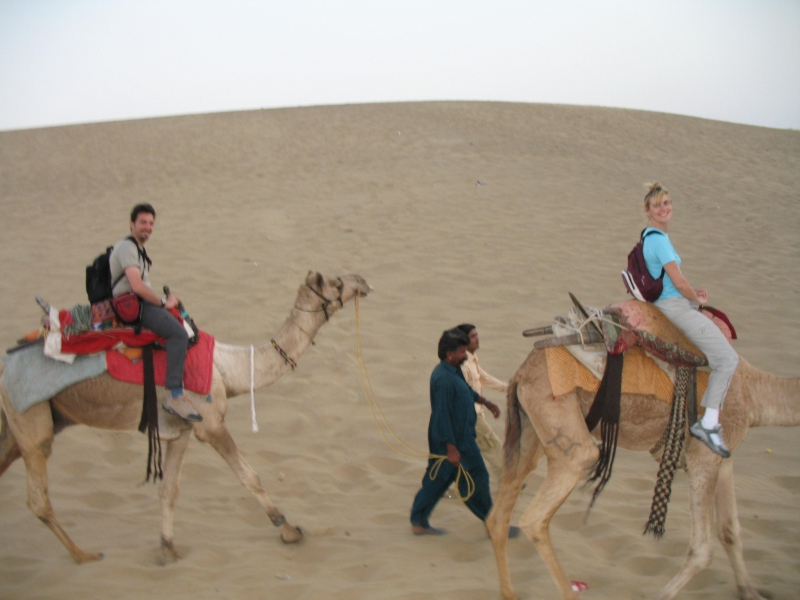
[197, 372]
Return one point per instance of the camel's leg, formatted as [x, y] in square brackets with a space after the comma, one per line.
[500, 518]
[703, 467]
[570, 451]
[39, 503]
[9, 450]
[170, 486]
[220, 439]
[730, 533]
[33, 435]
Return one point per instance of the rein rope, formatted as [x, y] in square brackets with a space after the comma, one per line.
[595, 316]
[383, 423]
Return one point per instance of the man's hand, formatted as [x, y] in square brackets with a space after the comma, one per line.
[493, 408]
[453, 455]
[172, 302]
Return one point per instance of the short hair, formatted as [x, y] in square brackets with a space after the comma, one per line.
[451, 340]
[655, 193]
[142, 208]
[466, 328]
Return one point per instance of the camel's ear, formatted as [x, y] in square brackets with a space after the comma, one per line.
[320, 280]
[310, 278]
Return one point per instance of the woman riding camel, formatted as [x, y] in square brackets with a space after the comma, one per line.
[681, 303]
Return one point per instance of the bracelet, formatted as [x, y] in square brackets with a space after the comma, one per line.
[163, 302]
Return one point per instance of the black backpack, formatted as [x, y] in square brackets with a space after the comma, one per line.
[98, 276]
[637, 279]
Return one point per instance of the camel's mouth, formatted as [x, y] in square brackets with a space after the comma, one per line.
[358, 284]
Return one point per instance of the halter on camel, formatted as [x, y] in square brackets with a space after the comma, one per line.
[326, 302]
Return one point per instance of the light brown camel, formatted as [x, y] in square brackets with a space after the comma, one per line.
[541, 425]
[109, 404]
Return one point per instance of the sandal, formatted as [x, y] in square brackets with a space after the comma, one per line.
[701, 433]
[429, 531]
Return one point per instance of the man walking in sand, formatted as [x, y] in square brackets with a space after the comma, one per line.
[130, 266]
[451, 433]
[490, 445]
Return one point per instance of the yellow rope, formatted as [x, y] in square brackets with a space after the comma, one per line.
[375, 408]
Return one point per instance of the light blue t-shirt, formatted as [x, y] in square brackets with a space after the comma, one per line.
[658, 251]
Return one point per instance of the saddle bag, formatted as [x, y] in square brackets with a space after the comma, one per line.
[128, 308]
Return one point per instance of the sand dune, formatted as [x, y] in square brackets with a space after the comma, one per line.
[480, 212]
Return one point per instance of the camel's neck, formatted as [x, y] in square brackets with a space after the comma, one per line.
[773, 400]
[294, 339]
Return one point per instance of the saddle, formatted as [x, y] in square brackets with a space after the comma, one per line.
[88, 329]
[627, 324]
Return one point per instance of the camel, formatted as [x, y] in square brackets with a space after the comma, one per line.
[542, 425]
[109, 404]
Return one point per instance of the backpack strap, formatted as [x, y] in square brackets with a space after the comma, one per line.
[142, 254]
[652, 230]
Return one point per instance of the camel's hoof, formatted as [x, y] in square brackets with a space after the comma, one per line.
[291, 535]
[85, 557]
[168, 550]
[749, 594]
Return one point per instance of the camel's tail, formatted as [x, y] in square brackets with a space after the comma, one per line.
[511, 446]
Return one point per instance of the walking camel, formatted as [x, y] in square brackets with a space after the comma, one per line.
[541, 425]
[109, 404]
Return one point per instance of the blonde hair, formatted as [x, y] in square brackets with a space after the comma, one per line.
[655, 193]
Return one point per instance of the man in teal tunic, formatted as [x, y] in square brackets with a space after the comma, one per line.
[451, 433]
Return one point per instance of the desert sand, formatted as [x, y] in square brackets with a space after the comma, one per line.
[481, 212]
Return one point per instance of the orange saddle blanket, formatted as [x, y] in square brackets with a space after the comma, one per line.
[640, 375]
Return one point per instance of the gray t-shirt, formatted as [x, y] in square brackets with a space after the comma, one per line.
[126, 254]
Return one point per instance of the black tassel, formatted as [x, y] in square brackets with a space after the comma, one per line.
[606, 410]
[149, 420]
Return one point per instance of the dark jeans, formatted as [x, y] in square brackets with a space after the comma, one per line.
[480, 503]
[162, 322]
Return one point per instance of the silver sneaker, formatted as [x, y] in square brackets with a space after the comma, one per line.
[701, 433]
[180, 407]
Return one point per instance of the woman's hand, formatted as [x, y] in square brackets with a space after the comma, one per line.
[702, 295]
[682, 284]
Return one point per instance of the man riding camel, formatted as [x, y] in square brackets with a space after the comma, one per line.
[130, 266]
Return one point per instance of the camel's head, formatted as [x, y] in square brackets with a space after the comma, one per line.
[331, 293]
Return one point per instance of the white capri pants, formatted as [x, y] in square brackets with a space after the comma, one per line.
[702, 331]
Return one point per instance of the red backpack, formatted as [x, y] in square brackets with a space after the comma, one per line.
[637, 279]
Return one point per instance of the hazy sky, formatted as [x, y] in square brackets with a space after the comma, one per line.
[76, 61]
